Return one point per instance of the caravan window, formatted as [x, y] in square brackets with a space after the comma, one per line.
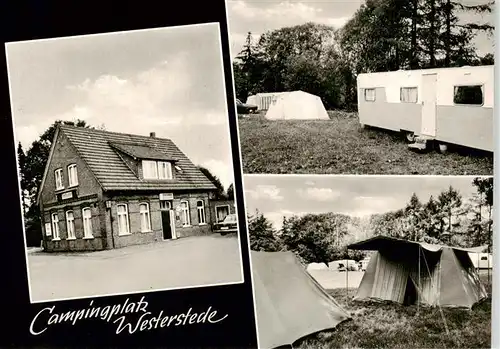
[471, 95]
[409, 94]
[369, 94]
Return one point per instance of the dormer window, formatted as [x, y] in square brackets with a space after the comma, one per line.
[59, 178]
[149, 169]
[72, 175]
[164, 170]
[156, 169]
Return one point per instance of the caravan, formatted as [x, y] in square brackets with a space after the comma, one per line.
[448, 105]
[481, 260]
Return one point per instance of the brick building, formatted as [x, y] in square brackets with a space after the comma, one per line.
[103, 190]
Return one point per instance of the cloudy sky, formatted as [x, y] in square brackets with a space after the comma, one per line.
[166, 80]
[259, 16]
[277, 196]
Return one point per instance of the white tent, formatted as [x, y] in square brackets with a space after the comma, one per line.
[317, 266]
[297, 105]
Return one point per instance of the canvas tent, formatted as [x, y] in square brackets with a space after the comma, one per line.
[289, 303]
[297, 105]
[409, 272]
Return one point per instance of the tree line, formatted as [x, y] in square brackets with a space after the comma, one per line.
[321, 238]
[32, 164]
[383, 35]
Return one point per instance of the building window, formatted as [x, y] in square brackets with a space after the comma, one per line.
[164, 170]
[369, 94]
[149, 169]
[59, 178]
[145, 218]
[409, 94]
[55, 226]
[200, 206]
[221, 212]
[470, 95]
[70, 224]
[48, 230]
[186, 221]
[87, 223]
[72, 175]
[123, 227]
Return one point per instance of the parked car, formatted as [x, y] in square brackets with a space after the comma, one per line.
[228, 225]
[351, 265]
[243, 108]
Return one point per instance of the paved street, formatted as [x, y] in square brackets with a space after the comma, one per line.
[194, 261]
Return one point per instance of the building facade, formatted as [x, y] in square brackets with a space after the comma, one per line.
[104, 190]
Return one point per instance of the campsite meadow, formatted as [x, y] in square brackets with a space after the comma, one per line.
[341, 146]
[376, 325]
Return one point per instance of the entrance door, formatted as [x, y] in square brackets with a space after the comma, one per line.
[167, 220]
[172, 224]
[428, 127]
[166, 223]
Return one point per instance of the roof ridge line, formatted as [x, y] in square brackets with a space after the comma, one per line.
[113, 132]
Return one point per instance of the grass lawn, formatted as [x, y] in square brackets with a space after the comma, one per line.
[341, 146]
[376, 325]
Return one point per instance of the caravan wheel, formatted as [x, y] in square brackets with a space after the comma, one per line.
[410, 137]
[443, 148]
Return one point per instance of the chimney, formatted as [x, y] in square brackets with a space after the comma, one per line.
[152, 134]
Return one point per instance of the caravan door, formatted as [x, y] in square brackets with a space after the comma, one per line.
[428, 127]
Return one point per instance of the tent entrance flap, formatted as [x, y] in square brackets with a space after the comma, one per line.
[411, 293]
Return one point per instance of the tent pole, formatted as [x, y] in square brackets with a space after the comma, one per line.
[418, 290]
[478, 269]
[488, 256]
[347, 280]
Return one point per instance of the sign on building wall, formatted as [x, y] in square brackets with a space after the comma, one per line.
[68, 195]
[48, 232]
[166, 196]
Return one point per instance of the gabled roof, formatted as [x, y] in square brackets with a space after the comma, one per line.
[99, 151]
[377, 243]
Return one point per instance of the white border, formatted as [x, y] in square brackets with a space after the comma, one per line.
[243, 184]
[217, 25]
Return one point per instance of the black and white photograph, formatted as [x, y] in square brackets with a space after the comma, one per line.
[364, 87]
[125, 163]
[371, 261]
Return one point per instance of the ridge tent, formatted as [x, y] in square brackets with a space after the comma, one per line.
[410, 272]
[289, 303]
[297, 105]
